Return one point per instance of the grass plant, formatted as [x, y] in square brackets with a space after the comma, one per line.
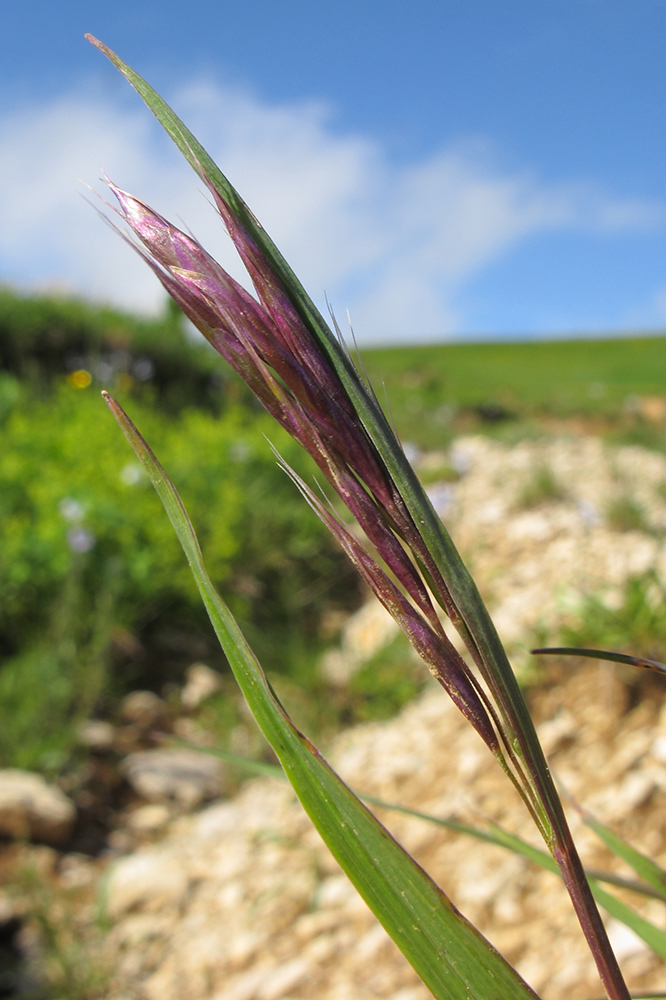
[637, 624]
[62, 963]
[303, 376]
[624, 514]
[541, 487]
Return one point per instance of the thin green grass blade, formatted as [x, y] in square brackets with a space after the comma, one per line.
[645, 867]
[620, 882]
[448, 953]
[653, 936]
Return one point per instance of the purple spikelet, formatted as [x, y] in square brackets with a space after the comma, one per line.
[268, 345]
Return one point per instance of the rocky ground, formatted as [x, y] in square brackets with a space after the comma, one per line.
[239, 899]
[243, 902]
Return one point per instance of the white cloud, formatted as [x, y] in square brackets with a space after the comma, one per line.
[656, 309]
[394, 243]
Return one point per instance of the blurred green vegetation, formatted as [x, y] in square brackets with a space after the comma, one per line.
[69, 486]
[95, 596]
[541, 487]
[386, 682]
[44, 338]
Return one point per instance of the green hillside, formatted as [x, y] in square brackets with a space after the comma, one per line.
[435, 390]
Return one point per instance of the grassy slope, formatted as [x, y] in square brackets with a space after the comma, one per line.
[426, 386]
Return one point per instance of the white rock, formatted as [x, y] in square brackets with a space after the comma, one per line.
[32, 809]
[555, 731]
[183, 775]
[283, 979]
[149, 818]
[659, 748]
[201, 683]
[76, 870]
[9, 908]
[143, 708]
[148, 880]
[97, 734]
[623, 940]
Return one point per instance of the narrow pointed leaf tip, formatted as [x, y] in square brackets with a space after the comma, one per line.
[602, 654]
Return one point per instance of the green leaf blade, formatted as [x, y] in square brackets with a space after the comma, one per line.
[645, 867]
[448, 953]
[652, 935]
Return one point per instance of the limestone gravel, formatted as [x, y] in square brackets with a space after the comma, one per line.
[243, 901]
[30, 808]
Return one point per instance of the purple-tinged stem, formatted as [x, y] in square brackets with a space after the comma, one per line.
[575, 880]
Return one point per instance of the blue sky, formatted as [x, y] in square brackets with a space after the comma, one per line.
[441, 169]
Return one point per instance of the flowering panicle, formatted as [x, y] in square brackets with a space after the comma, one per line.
[269, 346]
